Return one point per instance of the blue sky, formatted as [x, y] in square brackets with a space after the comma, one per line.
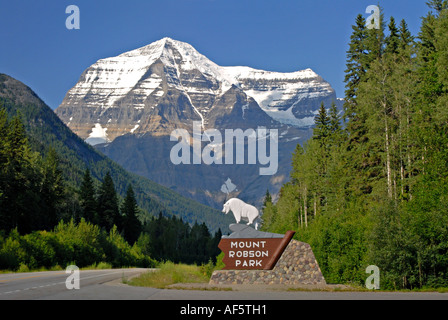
[277, 35]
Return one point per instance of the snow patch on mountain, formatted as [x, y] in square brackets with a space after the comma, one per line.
[135, 84]
[98, 135]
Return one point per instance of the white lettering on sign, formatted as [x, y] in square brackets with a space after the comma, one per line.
[247, 244]
[248, 254]
[245, 258]
[248, 263]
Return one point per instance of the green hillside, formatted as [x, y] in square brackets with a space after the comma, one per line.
[46, 130]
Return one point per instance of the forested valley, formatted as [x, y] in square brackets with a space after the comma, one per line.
[45, 222]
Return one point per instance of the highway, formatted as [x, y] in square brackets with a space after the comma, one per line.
[52, 285]
[108, 285]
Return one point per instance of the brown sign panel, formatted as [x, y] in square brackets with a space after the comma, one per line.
[253, 253]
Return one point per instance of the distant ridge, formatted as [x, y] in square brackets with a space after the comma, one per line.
[46, 129]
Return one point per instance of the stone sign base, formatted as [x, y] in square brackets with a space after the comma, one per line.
[296, 266]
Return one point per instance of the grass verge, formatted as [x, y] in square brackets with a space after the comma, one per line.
[168, 274]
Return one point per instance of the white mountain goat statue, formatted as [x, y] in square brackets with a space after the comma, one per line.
[241, 210]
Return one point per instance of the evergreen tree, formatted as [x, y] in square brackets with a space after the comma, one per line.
[356, 67]
[52, 190]
[267, 198]
[322, 125]
[174, 240]
[438, 5]
[107, 204]
[267, 210]
[87, 199]
[3, 159]
[375, 42]
[393, 39]
[214, 251]
[406, 39]
[334, 124]
[200, 238]
[21, 180]
[131, 225]
[366, 47]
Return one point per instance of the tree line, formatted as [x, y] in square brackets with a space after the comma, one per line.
[34, 195]
[45, 130]
[31, 187]
[370, 187]
[170, 238]
[35, 200]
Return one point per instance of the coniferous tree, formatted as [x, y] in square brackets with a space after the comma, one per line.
[267, 209]
[406, 38]
[107, 202]
[267, 198]
[131, 224]
[404, 82]
[200, 237]
[87, 199]
[52, 190]
[21, 180]
[3, 159]
[393, 39]
[3, 135]
[214, 251]
[335, 119]
[356, 67]
[375, 42]
[437, 5]
[366, 47]
[322, 125]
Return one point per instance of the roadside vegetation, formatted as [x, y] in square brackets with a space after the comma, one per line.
[169, 273]
[370, 187]
[84, 245]
[47, 224]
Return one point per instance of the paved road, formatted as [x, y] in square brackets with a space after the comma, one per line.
[107, 285]
[52, 285]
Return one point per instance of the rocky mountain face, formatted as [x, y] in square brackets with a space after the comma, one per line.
[129, 106]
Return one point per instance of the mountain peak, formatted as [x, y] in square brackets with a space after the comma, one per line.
[17, 92]
[159, 47]
[175, 54]
[168, 83]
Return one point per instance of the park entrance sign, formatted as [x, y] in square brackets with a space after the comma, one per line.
[255, 257]
[249, 249]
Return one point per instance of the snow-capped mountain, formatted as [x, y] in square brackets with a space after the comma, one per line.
[136, 91]
[134, 101]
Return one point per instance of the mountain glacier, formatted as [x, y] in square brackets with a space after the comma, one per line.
[128, 106]
[123, 94]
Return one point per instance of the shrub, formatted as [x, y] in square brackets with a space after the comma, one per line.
[40, 251]
[11, 252]
[82, 244]
[79, 243]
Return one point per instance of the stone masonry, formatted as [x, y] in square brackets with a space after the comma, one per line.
[296, 266]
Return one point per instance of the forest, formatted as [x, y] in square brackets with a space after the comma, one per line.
[370, 187]
[45, 131]
[45, 222]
